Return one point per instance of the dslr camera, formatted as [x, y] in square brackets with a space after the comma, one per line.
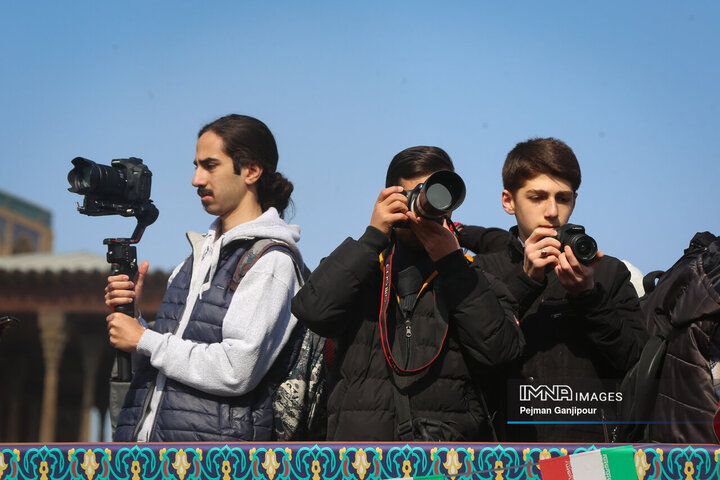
[117, 189]
[123, 188]
[440, 194]
[583, 245]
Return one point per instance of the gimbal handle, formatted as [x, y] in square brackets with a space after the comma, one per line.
[122, 257]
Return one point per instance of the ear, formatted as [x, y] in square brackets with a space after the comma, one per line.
[574, 202]
[508, 202]
[251, 173]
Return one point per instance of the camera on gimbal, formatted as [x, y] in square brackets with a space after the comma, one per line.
[583, 245]
[123, 188]
[440, 194]
[120, 189]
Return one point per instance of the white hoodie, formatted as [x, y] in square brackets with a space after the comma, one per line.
[256, 327]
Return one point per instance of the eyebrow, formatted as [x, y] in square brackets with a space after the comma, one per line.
[205, 160]
[545, 192]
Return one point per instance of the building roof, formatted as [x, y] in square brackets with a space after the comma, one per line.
[25, 208]
[55, 262]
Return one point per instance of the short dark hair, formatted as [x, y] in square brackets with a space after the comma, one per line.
[415, 161]
[538, 156]
[248, 140]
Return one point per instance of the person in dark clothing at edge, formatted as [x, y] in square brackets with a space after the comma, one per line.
[579, 321]
[208, 367]
[480, 240]
[445, 322]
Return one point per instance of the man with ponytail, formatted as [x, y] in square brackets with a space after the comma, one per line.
[224, 337]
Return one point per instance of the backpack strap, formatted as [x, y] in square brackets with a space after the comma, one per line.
[402, 410]
[650, 280]
[257, 250]
[663, 327]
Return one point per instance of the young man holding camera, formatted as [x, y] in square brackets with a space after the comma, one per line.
[411, 321]
[208, 367]
[581, 322]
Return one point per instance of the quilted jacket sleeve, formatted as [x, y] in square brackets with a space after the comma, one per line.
[334, 288]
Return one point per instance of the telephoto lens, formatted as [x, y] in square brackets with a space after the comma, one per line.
[440, 194]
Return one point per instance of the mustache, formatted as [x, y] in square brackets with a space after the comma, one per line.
[204, 191]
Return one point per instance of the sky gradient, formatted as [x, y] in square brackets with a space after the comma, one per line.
[632, 87]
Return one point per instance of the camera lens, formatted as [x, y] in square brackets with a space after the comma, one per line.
[88, 178]
[439, 196]
[81, 178]
[582, 244]
[584, 248]
[441, 193]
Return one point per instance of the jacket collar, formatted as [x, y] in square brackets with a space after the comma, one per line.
[515, 247]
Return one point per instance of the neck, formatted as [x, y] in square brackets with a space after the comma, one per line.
[409, 254]
[521, 235]
[239, 216]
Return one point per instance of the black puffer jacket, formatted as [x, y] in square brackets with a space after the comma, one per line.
[481, 240]
[597, 335]
[686, 401]
[341, 300]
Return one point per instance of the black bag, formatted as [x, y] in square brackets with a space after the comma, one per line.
[299, 401]
[639, 388]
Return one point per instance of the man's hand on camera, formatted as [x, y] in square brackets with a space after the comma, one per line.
[541, 249]
[438, 240]
[573, 275]
[124, 332]
[121, 291]
[389, 209]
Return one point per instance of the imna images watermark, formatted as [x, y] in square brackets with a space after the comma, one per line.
[568, 400]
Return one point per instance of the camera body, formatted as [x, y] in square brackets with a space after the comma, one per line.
[116, 189]
[583, 245]
[440, 194]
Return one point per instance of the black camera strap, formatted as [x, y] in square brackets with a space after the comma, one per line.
[387, 263]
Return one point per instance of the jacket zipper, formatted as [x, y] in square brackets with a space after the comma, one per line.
[408, 341]
[408, 323]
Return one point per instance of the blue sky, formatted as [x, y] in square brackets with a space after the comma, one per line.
[632, 87]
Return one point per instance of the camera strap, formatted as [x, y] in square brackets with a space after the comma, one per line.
[386, 264]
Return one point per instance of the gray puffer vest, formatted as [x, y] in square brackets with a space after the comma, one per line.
[186, 414]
